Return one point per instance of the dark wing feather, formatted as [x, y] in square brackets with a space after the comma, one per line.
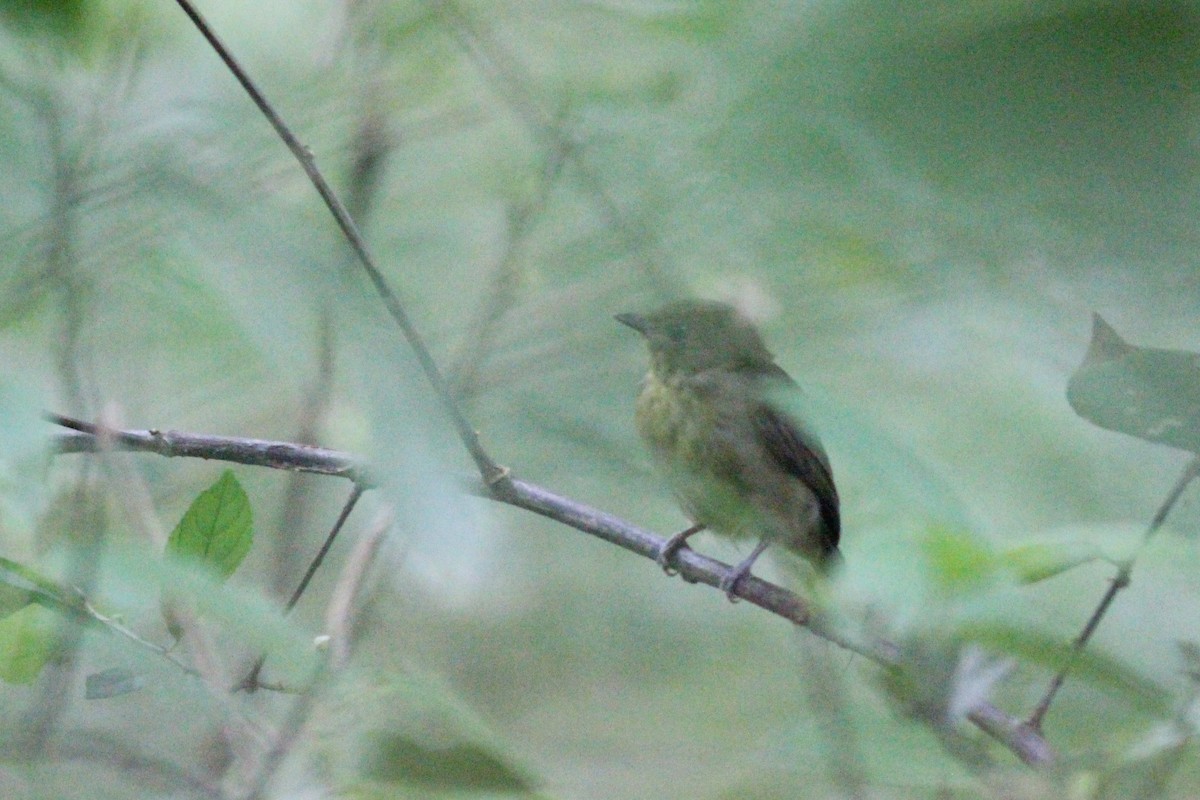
[800, 453]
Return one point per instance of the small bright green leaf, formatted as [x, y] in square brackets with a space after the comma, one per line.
[216, 529]
[958, 561]
[1041, 560]
[111, 683]
[1151, 394]
[28, 639]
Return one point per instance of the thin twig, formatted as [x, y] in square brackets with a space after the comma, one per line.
[1025, 743]
[491, 472]
[251, 452]
[340, 611]
[297, 497]
[1119, 582]
[61, 270]
[288, 733]
[117, 628]
[251, 682]
[351, 502]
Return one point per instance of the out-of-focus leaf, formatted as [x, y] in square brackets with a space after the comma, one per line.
[20, 586]
[138, 577]
[1148, 393]
[1041, 560]
[958, 561]
[1189, 652]
[28, 639]
[1146, 771]
[942, 681]
[899, 477]
[938, 682]
[216, 528]
[1052, 653]
[401, 731]
[111, 683]
[975, 676]
[63, 18]
[439, 765]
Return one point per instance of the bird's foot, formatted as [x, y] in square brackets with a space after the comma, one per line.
[666, 554]
[729, 584]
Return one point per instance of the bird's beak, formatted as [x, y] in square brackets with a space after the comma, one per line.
[635, 321]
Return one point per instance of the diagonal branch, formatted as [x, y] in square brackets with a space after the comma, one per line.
[1026, 743]
[489, 469]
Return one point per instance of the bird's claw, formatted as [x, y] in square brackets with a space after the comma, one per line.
[730, 583]
[666, 553]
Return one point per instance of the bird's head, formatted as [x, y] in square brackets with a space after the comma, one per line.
[690, 336]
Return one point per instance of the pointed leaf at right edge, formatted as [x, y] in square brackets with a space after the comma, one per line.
[1148, 393]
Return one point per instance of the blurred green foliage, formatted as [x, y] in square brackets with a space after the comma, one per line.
[923, 203]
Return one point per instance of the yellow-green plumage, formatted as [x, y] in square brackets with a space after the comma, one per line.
[736, 462]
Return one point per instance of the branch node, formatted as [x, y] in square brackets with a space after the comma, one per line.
[497, 474]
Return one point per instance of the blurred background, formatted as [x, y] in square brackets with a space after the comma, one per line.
[921, 203]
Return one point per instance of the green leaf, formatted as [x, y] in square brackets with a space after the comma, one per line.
[20, 586]
[1041, 560]
[28, 639]
[397, 733]
[1151, 394]
[439, 765]
[1053, 653]
[958, 561]
[216, 529]
[62, 18]
[1146, 772]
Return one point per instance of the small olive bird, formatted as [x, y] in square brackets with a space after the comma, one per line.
[737, 463]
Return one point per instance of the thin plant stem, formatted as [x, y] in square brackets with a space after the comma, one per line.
[251, 682]
[1119, 582]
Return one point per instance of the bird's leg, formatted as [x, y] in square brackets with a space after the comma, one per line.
[730, 582]
[668, 550]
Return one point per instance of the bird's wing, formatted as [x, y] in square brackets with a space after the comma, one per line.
[800, 453]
